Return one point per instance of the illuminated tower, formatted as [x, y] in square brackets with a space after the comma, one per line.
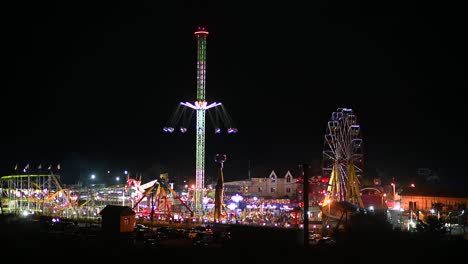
[200, 106]
[200, 128]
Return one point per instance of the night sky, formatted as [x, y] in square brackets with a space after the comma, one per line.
[91, 86]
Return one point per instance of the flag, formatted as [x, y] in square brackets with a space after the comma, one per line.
[27, 167]
[50, 167]
[16, 167]
[40, 167]
[58, 166]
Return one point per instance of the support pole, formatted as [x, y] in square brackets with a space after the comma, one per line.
[219, 190]
[305, 172]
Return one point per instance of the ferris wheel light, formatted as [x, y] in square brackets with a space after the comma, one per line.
[342, 156]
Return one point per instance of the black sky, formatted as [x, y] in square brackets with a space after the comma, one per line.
[90, 86]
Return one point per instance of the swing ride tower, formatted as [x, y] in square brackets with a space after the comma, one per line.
[200, 109]
[200, 106]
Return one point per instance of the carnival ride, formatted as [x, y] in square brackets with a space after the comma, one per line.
[35, 193]
[44, 194]
[342, 163]
[136, 191]
[219, 189]
[200, 106]
[156, 188]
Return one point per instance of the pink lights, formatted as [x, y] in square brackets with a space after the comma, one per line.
[201, 31]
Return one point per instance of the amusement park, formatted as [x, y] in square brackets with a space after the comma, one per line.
[272, 201]
[156, 200]
[318, 202]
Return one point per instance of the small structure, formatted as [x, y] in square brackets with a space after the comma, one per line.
[117, 219]
[440, 198]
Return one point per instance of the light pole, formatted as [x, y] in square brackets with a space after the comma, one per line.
[93, 178]
[305, 173]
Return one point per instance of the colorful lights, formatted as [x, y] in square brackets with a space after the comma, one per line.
[204, 32]
[200, 105]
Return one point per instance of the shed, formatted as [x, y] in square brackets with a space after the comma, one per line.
[117, 219]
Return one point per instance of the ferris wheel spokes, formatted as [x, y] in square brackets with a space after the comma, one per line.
[342, 159]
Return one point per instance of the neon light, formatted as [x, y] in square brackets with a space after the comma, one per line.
[201, 32]
[200, 105]
[212, 105]
[189, 105]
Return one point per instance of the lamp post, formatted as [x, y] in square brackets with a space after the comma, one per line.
[93, 179]
[305, 173]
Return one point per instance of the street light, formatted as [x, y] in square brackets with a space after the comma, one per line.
[93, 176]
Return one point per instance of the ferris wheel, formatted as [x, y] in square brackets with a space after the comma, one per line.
[342, 159]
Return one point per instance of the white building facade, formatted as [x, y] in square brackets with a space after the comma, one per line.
[273, 186]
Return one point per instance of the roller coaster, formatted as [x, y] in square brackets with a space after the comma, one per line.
[36, 193]
[44, 194]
